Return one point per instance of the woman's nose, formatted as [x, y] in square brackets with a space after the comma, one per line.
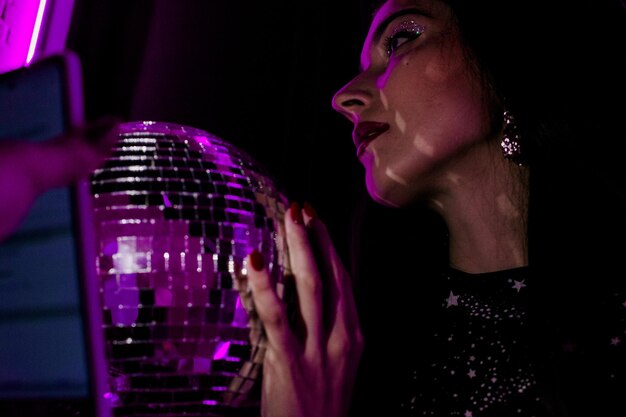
[351, 100]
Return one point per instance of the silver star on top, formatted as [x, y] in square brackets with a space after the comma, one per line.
[453, 300]
[518, 285]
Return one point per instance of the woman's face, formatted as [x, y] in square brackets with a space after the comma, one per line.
[417, 105]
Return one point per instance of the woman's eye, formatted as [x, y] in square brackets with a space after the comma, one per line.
[405, 32]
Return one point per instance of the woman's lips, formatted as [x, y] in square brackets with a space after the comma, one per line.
[365, 132]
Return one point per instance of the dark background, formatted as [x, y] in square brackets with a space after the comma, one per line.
[260, 75]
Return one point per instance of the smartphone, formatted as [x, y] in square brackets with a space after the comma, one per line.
[52, 359]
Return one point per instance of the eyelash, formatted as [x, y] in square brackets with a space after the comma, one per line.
[409, 30]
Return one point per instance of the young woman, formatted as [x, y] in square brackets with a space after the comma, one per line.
[494, 129]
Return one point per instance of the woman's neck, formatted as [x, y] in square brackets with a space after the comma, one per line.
[485, 209]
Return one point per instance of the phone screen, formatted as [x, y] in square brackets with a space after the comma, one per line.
[44, 358]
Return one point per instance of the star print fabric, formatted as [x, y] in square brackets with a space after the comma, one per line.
[482, 364]
[494, 350]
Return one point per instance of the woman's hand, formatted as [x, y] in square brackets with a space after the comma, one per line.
[308, 370]
[27, 169]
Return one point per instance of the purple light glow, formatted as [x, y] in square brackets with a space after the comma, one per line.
[235, 185]
[31, 30]
[221, 351]
[35, 37]
[240, 318]
[18, 20]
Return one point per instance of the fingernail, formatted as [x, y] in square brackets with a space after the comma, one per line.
[256, 260]
[296, 214]
[309, 210]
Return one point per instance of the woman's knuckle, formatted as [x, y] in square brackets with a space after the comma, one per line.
[312, 284]
[341, 346]
[273, 316]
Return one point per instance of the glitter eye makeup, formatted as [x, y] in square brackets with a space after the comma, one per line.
[406, 31]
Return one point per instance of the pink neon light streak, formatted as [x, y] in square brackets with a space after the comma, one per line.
[35, 36]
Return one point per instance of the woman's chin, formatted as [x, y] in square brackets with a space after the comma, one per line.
[386, 196]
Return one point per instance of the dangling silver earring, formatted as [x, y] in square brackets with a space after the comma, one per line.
[511, 148]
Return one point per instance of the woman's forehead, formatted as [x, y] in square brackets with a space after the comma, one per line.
[387, 8]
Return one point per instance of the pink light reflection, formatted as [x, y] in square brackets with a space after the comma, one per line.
[35, 37]
[203, 140]
[240, 318]
[235, 185]
[221, 351]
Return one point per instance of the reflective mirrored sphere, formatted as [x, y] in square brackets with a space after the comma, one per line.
[177, 210]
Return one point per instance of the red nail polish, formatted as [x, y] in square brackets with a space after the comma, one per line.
[309, 210]
[296, 214]
[256, 260]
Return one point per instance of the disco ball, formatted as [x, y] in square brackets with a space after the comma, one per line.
[176, 211]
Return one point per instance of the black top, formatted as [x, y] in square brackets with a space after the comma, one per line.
[493, 347]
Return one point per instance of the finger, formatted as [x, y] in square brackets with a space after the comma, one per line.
[306, 275]
[267, 304]
[344, 346]
[338, 291]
